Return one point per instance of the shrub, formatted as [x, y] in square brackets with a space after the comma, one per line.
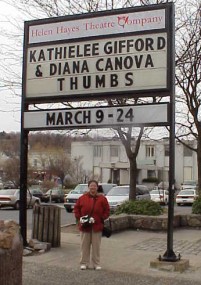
[196, 207]
[140, 207]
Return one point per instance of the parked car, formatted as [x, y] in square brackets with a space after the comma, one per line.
[55, 195]
[120, 194]
[189, 184]
[187, 196]
[160, 196]
[72, 197]
[107, 187]
[165, 185]
[11, 198]
[36, 192]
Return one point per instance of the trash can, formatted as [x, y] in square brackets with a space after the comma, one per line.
[46, 226]
[11, 252]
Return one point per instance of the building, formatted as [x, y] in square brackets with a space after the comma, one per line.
[107, 160]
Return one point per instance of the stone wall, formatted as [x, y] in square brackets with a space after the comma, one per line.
[154, 223]
[192, 220]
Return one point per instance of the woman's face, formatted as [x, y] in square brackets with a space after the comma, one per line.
[93, 188]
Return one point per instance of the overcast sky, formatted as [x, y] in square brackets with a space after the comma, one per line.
[10, 105]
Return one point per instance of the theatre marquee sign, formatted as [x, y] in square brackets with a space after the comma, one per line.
[119, 53]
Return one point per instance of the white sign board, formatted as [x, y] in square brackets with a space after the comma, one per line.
[98, 66]
[137, 115]
[97, 26]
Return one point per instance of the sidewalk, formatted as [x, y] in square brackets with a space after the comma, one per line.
[125, 259]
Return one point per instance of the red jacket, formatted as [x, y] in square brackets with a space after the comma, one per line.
[101, 210]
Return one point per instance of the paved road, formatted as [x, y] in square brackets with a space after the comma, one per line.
[66, 218]
[10, 214]
[54, 275]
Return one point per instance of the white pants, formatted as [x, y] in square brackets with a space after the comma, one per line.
[90, 242]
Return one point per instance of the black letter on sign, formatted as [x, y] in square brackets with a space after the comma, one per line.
[53, 69]
[161, 43]
[50, 119]
[38, 71]
[73, 81]
[113, 79]
[100, 81]
[129, 79]
[68, 118]
[32, 57]
[60, 80]
[86, 82]
[76, 117]
[60, 120]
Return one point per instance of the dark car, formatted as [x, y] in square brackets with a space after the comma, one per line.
[55, 195]
[39, 193]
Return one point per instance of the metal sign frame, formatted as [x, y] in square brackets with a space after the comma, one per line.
[122, 16]
[131, 58]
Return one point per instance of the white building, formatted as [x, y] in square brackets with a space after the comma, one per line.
[107, 160]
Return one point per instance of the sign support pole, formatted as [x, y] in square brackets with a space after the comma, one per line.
[169, 255]
[23, 185]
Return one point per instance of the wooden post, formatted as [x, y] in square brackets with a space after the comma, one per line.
[11, 251]
[47, 224]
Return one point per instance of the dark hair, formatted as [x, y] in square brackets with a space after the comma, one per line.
[100, 189]
[90, 181]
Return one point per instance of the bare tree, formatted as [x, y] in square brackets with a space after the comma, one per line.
[55, 161]
[132, 150]
[11, 170]
[188, 78]
[77, 173]
[10, 145]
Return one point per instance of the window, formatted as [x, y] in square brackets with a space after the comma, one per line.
[151, 173]
[167, 150]
[150, 152]
[187, 151]
[114, 151]
[97, 151]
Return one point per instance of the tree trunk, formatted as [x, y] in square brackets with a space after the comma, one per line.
[199, 164]
[133, 178]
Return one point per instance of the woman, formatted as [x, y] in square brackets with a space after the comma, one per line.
[95, 206]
